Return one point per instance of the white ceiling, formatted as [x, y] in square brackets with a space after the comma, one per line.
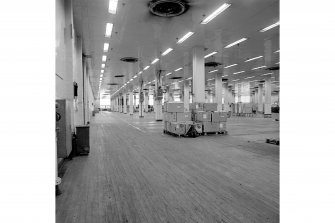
[137, 33]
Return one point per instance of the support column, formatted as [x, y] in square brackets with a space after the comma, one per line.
[226, 107]
[146, 101]
[267, 85]
[198, 64]
[124, 103]
[260, 97]
[131, 103]
[187, 90]
[159, 94]
[218, 90]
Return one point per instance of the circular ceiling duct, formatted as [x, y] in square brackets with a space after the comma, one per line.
[175, 78]
[212, 64]
[112, 84]
[120, 75]
[129, 59]
[168, 8]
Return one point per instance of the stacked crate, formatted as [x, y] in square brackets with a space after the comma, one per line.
[176, 121]
[206, 114]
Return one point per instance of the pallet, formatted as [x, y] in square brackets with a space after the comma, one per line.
[225, 132]
[273, 141]
[190, 133]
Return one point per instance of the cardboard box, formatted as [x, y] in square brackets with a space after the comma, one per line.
[210, 106]
[202, 116]
[175, 107]
[196, 106]
[183, 117]
[170, 116]
[219, 116]
[210, 127]
[178, 128]
[222, 126]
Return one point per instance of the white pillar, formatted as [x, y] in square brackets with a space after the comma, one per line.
[187, 89]
[131, 103]
[125, 103]
[267, 85]
[146, 100]
[218, 90]
[158, 101]
[260, 97]
[198, 64]
[226, 107]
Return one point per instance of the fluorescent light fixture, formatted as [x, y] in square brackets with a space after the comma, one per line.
[101, 75]
[178, 69]
[102, 71]
[212, 71]
[212, 53]
[185, 37]
[103, 65]
[236, 80]
[236, 42]
[276, 51]
[167, 51]
[100, 78]
[140, 72]
[189, 78]
[106, 45]
[104, 57]
[154, 61]
[210, 79]
[109, 28]
[249, 77]
[266, 74]
[135, 76]
[131, 79]
[168, 74]
[270, 27]
[112, 6]
[147, 67]
[239, 72]
[255, 58]
[215, 13]
[231, 65]
[256, 68]
[277, 62]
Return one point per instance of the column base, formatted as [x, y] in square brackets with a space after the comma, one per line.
[141, 116]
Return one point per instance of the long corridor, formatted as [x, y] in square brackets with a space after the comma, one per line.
[135, 173]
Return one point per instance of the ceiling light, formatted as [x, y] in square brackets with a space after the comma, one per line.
[185, 37]
[101, 75]
[266, 74]
[104, 57]
[210, 79]
[103, 65]
[109, 28]
[239, 72]
[255, 58]
[236, 42]
[167, 51]
[231, 65]
[277, 63]
[189, 78]
[276, 51]
[112, 6]
[155, 60]
[147, 67]
[215, 13]
[256, 68]
[106, 45]
[236, 80]
[135, 76]
[168, 74]
[178, 69]
[212, 71]
[212, 53]
[102, 71]
[140, 72]
[249, 77]
[270, 27]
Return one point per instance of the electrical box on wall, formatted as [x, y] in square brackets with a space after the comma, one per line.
[63, 125]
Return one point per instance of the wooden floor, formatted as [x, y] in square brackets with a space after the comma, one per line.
[135, 173]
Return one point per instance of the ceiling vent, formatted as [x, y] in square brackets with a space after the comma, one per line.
[175, 78]
[212, 64]
[168, 8]
[273, 68]
[129, 59]
[112, 84]
[224, 79]
[120, 75]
